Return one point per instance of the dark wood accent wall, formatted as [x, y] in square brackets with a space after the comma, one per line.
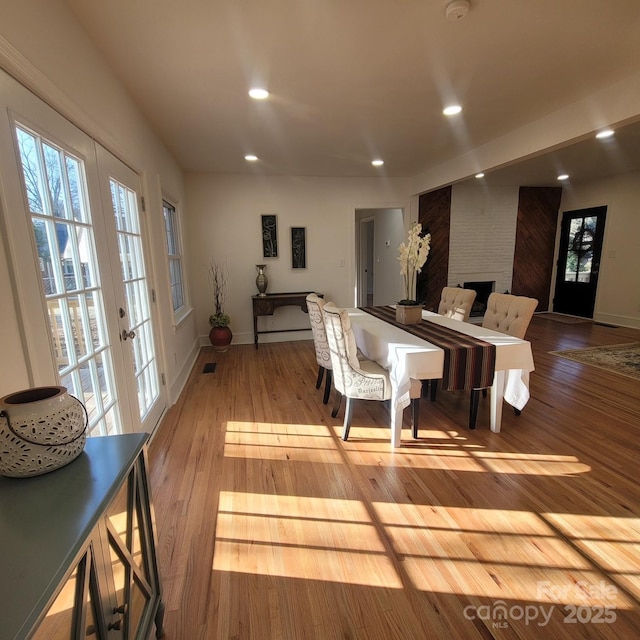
[535, 242]
[434, 213]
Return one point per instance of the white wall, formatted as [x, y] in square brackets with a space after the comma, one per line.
[618, 297]
[224, 222]
[42, 45]
[389, 234]
[482, 234]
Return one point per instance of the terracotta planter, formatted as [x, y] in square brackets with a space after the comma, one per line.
[220, 338]
[408, 313]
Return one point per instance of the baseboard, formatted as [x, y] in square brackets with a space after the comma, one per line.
[277, 336]
[617, 321]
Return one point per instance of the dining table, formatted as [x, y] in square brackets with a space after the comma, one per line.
[407, 356]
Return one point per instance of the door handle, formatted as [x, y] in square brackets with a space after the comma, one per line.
[128, 334]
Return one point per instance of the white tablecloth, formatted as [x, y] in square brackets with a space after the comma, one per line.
[406, 356]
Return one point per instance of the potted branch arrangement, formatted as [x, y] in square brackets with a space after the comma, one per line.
[412, 257]
[220, 334]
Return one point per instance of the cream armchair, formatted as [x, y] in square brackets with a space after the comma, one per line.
[357, 379]
[314, 306]
[456, 303]
[508, 314]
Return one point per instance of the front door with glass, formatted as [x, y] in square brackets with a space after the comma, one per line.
[579, 253]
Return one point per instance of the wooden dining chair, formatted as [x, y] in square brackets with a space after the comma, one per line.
[357, 379]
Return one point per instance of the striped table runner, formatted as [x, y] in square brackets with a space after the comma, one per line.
[469, 363]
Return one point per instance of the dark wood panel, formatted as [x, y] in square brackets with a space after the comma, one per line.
[535, 242]
[434, 213]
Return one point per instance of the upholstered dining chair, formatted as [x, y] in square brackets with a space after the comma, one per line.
[456, 303]
[508, 314]
[314, 306]
[357, 379]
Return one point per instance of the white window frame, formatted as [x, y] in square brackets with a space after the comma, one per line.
[176, 257]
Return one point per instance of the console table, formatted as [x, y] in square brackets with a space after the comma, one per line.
[78, 552]
[267, 304]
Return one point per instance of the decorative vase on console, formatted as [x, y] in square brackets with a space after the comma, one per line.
[261, 280]
[41, 430]
[412, 257]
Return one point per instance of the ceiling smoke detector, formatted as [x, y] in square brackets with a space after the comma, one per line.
[457, 10]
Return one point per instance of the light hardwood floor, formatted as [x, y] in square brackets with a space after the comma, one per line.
[270, 526]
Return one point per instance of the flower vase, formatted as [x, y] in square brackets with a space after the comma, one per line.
[261, 280]
[408, 313]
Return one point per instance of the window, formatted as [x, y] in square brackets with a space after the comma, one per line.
[174, 255]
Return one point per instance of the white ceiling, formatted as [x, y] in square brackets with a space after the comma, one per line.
[352, 80]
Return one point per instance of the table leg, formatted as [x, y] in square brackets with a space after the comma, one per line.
[497, 395]
[255, 331]
[396, 427]
[395, 417]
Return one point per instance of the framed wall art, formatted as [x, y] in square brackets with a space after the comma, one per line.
[269, 235]
[299, 247]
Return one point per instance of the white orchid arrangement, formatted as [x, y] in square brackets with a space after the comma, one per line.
[412, 257]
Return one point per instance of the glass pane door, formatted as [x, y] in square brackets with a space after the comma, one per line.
[76, 244]
[54, 180]
[120, 194]
[139, 328]
[579, 250]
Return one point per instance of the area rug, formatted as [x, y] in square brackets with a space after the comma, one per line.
[558, 317]
[617, 358]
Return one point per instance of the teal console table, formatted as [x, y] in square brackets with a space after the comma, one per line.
[78, 549]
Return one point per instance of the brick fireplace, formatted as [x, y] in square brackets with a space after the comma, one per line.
[483, 289]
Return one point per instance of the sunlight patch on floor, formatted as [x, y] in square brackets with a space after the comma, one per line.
[612, 542]
[295, 537]
[270, 441]
[495, 554]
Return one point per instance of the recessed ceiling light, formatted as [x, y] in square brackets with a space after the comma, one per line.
[480, 175]
[251, 158]
[563, 176]
[452, 110]
[605, 133]
[259, 94]
[377, 163]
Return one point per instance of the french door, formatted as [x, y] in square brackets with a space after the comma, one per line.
[580, 248]
[120, 187]
[78, 256]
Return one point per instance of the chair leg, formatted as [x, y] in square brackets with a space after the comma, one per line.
[336, 404]
[327, 387]
[320, 373]
[348, 411]
[434, 389]
[484, 393]
[415, 416]
[473, 411]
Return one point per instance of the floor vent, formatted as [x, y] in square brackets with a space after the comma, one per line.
[210, 367]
